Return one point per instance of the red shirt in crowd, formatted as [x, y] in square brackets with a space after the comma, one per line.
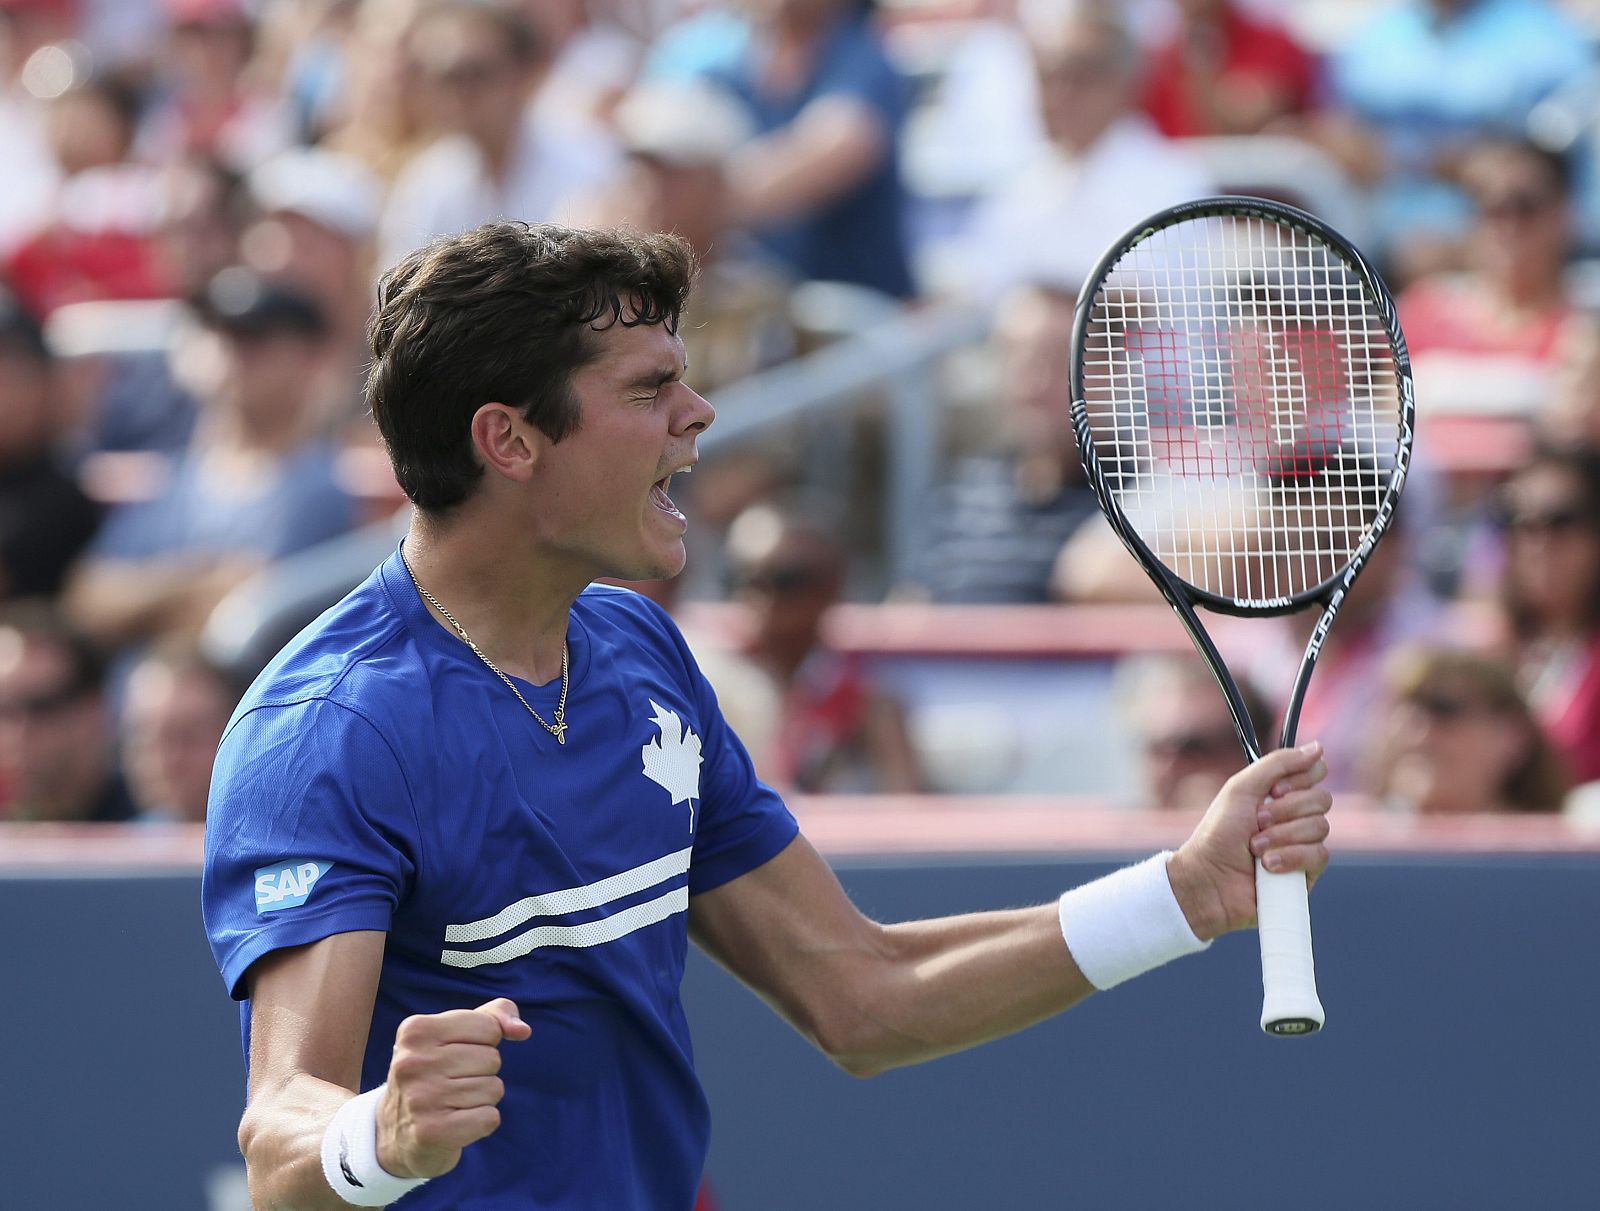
[1245, 53]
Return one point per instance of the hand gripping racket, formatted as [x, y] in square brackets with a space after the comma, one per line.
[1242, 400]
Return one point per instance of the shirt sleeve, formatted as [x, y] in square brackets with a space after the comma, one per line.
[311, 831]
[857, 68]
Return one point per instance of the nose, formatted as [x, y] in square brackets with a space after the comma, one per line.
[699, 414]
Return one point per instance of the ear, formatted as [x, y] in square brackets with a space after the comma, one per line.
[508, 445]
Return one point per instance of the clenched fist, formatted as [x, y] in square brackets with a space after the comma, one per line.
[444, 1091]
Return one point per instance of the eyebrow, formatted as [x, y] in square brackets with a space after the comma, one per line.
[656, 376]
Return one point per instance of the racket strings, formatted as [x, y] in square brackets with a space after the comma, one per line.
[1242, 404]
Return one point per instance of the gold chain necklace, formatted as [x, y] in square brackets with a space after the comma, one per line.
[558, 729]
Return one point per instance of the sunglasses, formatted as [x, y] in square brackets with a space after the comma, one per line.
[471, 74]
[1191, 745]
[1520, 205]
[1448, 708]
[779, 579]
[1551, 522]
[42, 705]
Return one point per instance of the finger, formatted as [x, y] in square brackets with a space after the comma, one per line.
[468, 1093]
[474, 1124]
[465, 1059]
[1260, 776]
[504, 1012]
[1307, 830]
[1312, 776]
[455, 1129]
[451, 1026]
[1313, 802]
[1310, 858]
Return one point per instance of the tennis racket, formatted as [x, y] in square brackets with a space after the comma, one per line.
[1242, 401]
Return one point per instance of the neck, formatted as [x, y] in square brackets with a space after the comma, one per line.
[1531, 290]
[277, 432]
[514, 608]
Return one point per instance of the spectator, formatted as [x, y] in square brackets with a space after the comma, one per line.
[1226, 70]
[480, 66]
[836, 731]
[677, 138]
[1424, 79]
[30, 33]
[1185, 737]
[378, 118]
[206, 210]
[593, 60]
[56, 760]
[1005, 515]
[819, 185]
[1103, 168]
[139, 401]
[45, 518]
[1572, 417]
[257, 482]
[209, 101]
[1459, 738]
[100, 241]
[318, 220]
[1551, 592]
[175, 707]
[1515, 302]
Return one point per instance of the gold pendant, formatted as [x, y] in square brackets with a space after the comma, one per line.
[560, 730]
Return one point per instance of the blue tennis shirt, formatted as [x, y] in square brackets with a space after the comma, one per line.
[378, 776]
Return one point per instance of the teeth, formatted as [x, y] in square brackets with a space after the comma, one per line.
[685, 469]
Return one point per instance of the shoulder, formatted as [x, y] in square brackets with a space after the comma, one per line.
[854, 60]
[357, 659]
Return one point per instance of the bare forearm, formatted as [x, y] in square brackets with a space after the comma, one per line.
[281, 1139]
[121, 602]
[830, 149]
[944, 985]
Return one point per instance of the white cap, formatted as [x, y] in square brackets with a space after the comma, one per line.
[682, 123]
[327, 187]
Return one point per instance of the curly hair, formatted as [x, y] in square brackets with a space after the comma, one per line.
[505, 313]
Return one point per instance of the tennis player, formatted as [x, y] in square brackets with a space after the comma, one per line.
[462, 828]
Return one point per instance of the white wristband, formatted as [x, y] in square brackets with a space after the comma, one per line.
[350, 1156]
[1126, 923]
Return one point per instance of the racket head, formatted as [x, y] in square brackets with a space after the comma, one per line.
[1243, 403]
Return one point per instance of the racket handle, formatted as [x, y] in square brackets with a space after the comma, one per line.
[1288, 974]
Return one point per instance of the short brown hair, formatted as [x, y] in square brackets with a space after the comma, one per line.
[504, 313]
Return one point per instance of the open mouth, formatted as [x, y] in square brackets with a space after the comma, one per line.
[658, 492]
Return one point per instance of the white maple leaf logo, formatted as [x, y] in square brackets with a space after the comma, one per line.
[673, 760]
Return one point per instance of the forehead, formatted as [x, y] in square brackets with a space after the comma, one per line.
[1539, 485]
[623, 350]
[1499, 168]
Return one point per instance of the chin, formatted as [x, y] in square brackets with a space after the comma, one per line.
[656, 565]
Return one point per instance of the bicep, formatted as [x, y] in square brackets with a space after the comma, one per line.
[311, 1008]
[788, 931]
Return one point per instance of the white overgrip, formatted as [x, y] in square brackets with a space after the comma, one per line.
[1288, 973]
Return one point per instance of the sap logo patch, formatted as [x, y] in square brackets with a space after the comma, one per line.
[287, 885]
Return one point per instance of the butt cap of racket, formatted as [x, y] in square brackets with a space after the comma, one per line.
[1290, 1007]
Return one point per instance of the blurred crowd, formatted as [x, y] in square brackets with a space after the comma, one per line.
[198, 196]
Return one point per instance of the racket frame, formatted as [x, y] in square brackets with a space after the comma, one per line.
[1186, 598]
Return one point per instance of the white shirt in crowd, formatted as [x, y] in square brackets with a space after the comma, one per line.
[447, 189]
[1051, 221]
